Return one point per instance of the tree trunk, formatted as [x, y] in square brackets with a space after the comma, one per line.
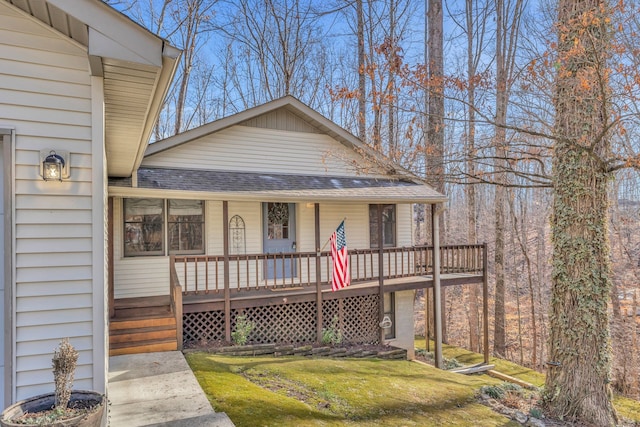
[362, 90]
[499, 333]
[435, 129]
[470, 189]
[577, 384]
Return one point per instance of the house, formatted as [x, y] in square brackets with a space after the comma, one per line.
[82, 82]
[131, 247]
[233, 218]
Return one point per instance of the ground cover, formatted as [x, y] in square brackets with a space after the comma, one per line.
[296, 391]
[627, 408]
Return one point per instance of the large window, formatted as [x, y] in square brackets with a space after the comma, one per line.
[388, 225]
[186, 227]
[147, 220]
[143, 227]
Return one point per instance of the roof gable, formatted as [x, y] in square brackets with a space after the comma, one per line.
[260, 113]
[281, 119]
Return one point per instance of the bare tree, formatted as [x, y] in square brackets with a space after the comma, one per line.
[577, 383]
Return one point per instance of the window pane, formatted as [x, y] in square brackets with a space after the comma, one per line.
[143, 226]
[277, 220]
[373, 225]
[186, 226]
[388, 225]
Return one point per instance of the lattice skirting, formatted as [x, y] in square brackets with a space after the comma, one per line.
[357, 318]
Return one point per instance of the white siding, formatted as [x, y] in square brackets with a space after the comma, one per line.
[404, 323]
[45, 93]
[243, 148]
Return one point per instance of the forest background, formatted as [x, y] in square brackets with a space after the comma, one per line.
[368, 66]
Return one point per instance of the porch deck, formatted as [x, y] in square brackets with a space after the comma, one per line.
[207, 293]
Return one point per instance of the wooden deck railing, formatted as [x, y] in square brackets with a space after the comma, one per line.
[205, 273]
[175, 298]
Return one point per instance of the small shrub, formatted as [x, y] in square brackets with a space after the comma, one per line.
[242, 330]
[512, 388]
[65, 359]
[451, 363]
[332, 335]
[493, 391]
[536, 413]
[421, 352]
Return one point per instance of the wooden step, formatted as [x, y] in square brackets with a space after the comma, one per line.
[141, 322]
[133, 335]
[143, 347]
[142, 334]
[131, 312]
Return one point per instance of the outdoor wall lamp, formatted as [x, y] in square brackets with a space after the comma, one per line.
[54, 166]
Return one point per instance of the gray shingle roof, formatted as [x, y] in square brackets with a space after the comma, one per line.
[272, 186]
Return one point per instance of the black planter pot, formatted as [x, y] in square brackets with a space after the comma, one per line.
[46, 401]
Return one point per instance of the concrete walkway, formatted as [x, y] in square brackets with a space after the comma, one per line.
[158, 389]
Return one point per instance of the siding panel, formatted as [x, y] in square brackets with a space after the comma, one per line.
[241, 148]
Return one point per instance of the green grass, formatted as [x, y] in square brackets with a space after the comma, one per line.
[296, 391]
[628, 408]
[467, 357]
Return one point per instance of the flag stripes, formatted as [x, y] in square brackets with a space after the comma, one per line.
[340, 276]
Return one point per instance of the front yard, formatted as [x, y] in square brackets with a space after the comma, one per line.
[297, 391]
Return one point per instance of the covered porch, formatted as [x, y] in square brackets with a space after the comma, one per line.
[277, 279]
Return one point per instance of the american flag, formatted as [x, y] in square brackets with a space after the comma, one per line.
[341, 276]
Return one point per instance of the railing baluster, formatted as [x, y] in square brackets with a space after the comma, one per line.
[217, 275]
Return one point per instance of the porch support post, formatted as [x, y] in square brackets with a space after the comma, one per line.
[227, 297]
[110, 277]
[485, 304]
[316, 208]
[437, 309]
[380, 273]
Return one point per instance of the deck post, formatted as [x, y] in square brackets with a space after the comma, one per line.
[437, 309]
[227, 296]
[316, 208]
[485, 303]
[380, 273]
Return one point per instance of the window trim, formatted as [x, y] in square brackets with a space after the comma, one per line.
[166, 250]
[204, 231]
[393, 244]
[136, 254]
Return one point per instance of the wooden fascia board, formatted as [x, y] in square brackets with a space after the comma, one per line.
[115, 27]
[104, 46]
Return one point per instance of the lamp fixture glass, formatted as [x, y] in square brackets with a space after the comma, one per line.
[52, 167]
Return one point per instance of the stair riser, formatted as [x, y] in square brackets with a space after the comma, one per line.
[117, 325]
[142, 336]
[144, 349]
[142, 312]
